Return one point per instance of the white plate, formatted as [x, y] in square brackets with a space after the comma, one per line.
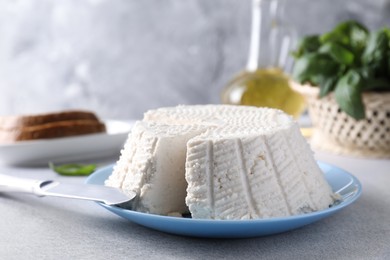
[342, 183]
[68, 149]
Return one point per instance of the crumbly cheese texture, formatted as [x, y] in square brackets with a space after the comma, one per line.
[220, 162]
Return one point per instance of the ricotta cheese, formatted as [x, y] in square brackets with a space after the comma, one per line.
[220, 162]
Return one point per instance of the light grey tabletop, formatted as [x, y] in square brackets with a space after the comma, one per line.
[52, 228]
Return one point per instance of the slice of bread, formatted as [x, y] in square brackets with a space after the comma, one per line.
[11, 122]
[50, 125]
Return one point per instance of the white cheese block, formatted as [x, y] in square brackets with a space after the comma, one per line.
[152, 164]
[223, 162]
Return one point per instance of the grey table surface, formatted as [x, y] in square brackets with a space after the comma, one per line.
[53, 228]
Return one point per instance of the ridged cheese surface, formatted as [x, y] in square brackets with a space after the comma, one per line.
[220, 162]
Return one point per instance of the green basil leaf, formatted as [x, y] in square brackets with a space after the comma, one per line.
[73, 169]
[387, 31]
[388, 62]
[377, 84]
[376, 52]
[327, 86]
[350, 33]
[339, 53]
[367, 72]
[348, 94]
[307, 44]
[313, 67]
[301, 71]
[347, 60]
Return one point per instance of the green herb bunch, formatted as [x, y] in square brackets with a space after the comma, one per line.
[347, 60]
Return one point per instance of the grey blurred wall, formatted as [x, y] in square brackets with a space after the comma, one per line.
[122, 57]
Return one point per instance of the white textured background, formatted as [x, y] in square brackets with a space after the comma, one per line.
[122, 57]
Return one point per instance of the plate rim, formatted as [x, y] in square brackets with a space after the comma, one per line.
[320, 213]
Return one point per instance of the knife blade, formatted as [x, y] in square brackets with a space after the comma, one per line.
[100, 193]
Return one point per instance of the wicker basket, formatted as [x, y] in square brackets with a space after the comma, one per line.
[339, 133]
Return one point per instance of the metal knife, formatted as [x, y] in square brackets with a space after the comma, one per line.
[100, 193]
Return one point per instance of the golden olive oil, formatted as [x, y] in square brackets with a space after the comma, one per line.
[268, 87]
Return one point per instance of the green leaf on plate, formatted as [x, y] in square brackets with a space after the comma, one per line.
[73, 169]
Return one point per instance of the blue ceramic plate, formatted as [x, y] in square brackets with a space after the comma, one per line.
[341, 182]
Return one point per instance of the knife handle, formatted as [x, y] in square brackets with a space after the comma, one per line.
[16, 184]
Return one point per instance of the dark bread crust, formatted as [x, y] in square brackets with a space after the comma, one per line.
[11, 122]
[48, 126]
